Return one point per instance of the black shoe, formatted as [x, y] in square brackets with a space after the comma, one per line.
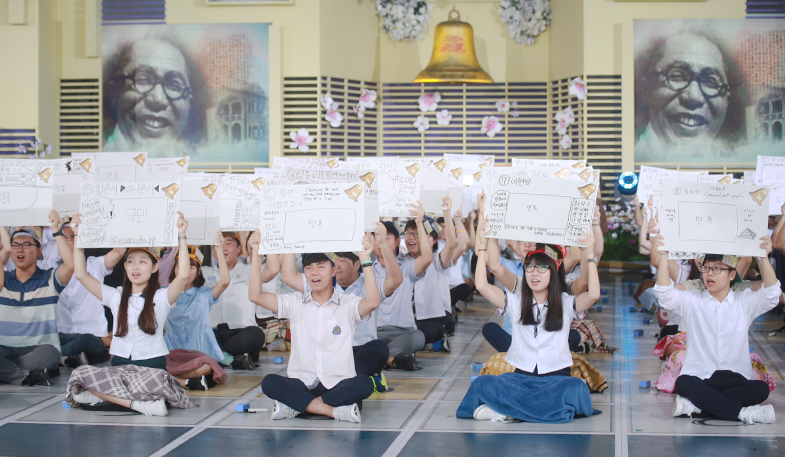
[405, 362]
[195, 384]
[208, 379]
[242, 362]
[37, 378]
[53, 372]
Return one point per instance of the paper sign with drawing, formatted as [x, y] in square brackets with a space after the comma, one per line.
[25, 193]
[118, 166]
[168, 169]
[652, 179]
[714, 218]
[540, 210]
[199, 201]
[239, 201]
[312, 218]
[770, 171]
[399, 187]
[305, 162]
[548, 163]
[69, 177]
[129, 214]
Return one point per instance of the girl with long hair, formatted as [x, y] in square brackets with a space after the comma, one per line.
[140, 308]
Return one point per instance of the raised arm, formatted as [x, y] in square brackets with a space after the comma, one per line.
[603, 216]
[371, 301]
[223, 269]
[636, 207]
[491, 246]
[80, 265]
[766, 270]
[663, 276]
[255, 294]
[394, 276]
[779, 235]
[450, 237]
[5, 238]
[113, 257]
[469, 226]
[491, 293]
[177, 286]
[289, 274]
[644, 245]
[66, 270]
[599, 238]
[585, 300]
[426, 255]
[272, 268]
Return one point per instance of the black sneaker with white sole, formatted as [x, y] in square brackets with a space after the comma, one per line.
[37, 378]
[242, 362]
[405, 362]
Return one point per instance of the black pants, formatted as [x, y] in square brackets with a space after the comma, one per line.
[460, 292]
[371, 357]
[237, 341]
[501, 340]
[563, 372]
[668, 330]
[432, 328]
[17, 362]
[723, 394]
[294, 393]
[73, 344]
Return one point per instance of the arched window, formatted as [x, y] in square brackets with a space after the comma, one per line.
[776, 132]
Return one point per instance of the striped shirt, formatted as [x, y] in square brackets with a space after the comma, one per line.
[28, 309]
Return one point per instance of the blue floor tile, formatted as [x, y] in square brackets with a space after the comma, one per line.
[498, 444]
[694, 446]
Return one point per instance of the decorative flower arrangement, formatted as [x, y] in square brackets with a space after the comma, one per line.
[326, 101]
[525, 19]
[621, 242]
[429, 101]
[503, 106]
[564, 119]
[359, 111]
[443, 117]
[367, 98]
[38, 148]
[333, 116]
[565, 142]
[301, 139]
[422, 124]
[578, 88]
[491, 126]
[404, 19]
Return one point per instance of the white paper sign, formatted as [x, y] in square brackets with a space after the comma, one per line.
[372, 159]
[168, 169]
[770, 171]
[399, 187]
[239, 201]
[432, 200]
[548, 163]
[312, 218]
[489, 160]
[750, 178]
[714, 218]
[200, 202]
[25, 193]
[117, 166]
[305, 162]
[651, 180]
[69, 178]
[718, 179]
[128, 214]
[540, 210]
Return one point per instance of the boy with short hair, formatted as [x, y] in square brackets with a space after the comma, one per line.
[322, 378]
[717, 376]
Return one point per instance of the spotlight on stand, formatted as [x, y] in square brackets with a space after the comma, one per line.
[626, 185]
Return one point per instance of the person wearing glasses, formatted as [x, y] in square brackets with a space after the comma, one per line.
[687, 100]
[29, 344]
[152, 100]
[541, 315]
[81, 321]
[717, 379]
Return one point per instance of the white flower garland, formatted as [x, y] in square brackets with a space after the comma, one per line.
[404, 19]
[525, 19]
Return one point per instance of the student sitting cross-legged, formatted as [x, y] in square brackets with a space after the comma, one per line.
[716, 378]
[370, 353]
[322, 379]
[29, 344]
[541, 388]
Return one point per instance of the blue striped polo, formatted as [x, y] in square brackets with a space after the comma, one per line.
[28, 309]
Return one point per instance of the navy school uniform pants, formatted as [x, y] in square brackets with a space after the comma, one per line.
[371, 357]
[295, 394]
[723, 394]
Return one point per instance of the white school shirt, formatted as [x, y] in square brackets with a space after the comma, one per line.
[548, 351]
[455, 271]
[717, 332]
[429, 291]
[136, 344]
[396, 310]
[234, 307]
[322, 337]
[364, 330]
[78, 311]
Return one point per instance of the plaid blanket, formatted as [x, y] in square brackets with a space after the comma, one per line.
[591, 333]
[581, 369]
[129, 382]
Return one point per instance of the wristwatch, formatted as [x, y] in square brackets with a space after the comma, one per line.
[58, 233]
[592, 260]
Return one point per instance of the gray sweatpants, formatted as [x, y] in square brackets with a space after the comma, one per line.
[401, 341]
[15, 363]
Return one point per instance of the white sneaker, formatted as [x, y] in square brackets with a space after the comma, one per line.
[86, 398]
[485, 413]
[348, 413]
[757, 414]
[150, 408]
[682, 407]
[282, 411]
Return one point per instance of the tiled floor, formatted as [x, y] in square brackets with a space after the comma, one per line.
[418, 417]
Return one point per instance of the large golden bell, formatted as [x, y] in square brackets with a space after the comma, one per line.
[453, 59]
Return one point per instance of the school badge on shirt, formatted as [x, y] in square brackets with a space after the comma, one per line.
[337, 330]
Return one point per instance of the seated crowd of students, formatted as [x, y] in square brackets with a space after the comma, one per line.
[173, 320]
